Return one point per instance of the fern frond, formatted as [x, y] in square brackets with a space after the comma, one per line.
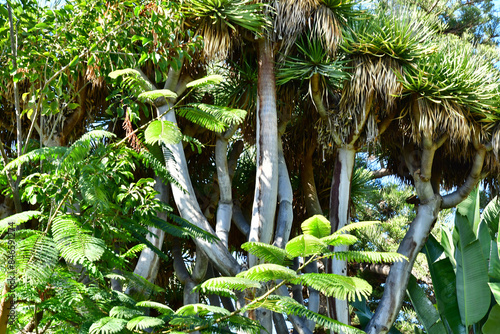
[317, 226]
[152, 95]
[201, 310]
[191, 229]
[17, 219]
[164, 132]
[149, 160]
[107, 325]
[132, 80]
[213, 79]
[138, 282]
[144, 322]
[132, 252]
[37, 256]
[340, 239]
[337, 286]
[239, 324]
[200, 117]
[356, 226]
[226, 284]
[36, 155]
[305, 245]
[290, 306]
[163, 309]
[74, 243]
[123, 312]
[229, 116]
[80, 149]
[372, 257]
[266, 252]
[138, 233]
[268, 272]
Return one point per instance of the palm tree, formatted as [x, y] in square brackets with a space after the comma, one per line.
[448, 134]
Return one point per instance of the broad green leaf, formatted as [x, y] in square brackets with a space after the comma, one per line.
[494, 265]
[154, 94]
[74, 61]
[268, 272]
[495, 289]
[317, 226]
[492, 325]
[444, 280]
[162, 131]
[484, 238]
[448, 246]
[305, 245]
[473, 293]
[491, 215]
[426, 312]
[470, 208]
[208, 80]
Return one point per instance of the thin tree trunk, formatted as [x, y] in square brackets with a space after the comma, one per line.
[188, 206]
[285, 198]
[395, 286]
[340, 194]
[266, 182]
[225, 207]
[149, 262]
[5, 308]
[311, 200]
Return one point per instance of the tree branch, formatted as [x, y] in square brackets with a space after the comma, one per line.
[317, 95]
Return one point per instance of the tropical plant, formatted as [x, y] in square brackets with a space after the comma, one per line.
[273, 274]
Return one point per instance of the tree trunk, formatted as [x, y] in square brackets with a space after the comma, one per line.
[396, 283]
[285, 198]
[340, 194]
[225, 207]
[189, 208]
[5, 306]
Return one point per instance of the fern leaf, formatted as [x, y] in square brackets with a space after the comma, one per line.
[36, 258]
[164, 132]
[149, 160]
[80, 149]
[152, 95]
[36, 155]
[132, 252]
[224, 284]
[191, 229]
[202, 118]
[305, 245]
[201, 310]
[143, 322]
[372, 257]
[317, 226]
[339, 239]
[74, 243]
[268, 272]
[289, 306]
[133, 79]
[266, 252]
[163, 309]
[213, 79]
[356, 226]
[107, 325]
[123, 312]
[229, 116]
[337, 286]
[138, 233]
[17, 219]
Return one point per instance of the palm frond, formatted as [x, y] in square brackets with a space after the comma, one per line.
[268, 272]
[201, 310]
[74, 243]
[340, 239]
[266, 252]
[337, 286]
[16, 219]
[213, 79]
[152, 95]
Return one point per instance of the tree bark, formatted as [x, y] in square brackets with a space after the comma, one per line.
[225, 207]
[5, 308]
[266, 185]
[285, 198]
[339, 216]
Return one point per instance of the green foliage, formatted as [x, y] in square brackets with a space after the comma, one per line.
[164, 132]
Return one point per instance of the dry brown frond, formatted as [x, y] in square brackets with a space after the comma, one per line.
[326, 28]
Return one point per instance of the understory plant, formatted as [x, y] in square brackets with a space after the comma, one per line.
[272, 276]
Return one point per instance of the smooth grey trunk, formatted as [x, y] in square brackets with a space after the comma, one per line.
[340, 194]
[395, 286]
[285, 199]
[225, 207]
[149, 262]
[266, 183]
[313, 300]
[239, 220]
[188, 206]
